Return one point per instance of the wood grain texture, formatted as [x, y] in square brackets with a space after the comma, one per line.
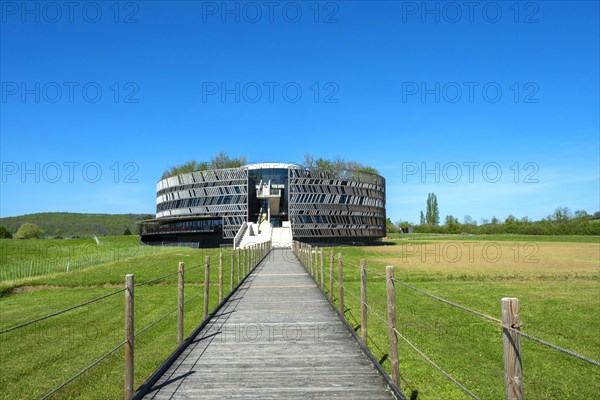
[180, 302]
[129, 335]
[391, 306]
[276, 338]
[363, 301]
[513, 369]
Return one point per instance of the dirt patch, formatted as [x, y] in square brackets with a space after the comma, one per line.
[37, 288]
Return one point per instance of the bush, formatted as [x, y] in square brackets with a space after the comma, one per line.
[5, 233]
[29, 231]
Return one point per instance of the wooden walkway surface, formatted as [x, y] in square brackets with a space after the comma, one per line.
[276, 338]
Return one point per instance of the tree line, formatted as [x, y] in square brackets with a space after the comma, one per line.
[337, 166]
[561, 222]
[220, 161]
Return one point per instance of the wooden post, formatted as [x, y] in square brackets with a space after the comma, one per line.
[309, 255]
[220, 276]
[206, 285]
[322, 272]
[129, 335]
[306, 260]
[341, 284]
[232, 268]
[180, 288]
[391, 306]
[513, 367]
[331, 275]
[312, 262]
[315, 264]
[363, 301]
[239, 256]
[303, 252]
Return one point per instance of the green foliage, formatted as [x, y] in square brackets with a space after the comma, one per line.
[561, 222]
[5, 233]
[390, 227]
[337, 166]
[60, 224]
[220, 161]
[432, 216]
[403, 224]
[29, 231]
[127, 232]
[452, 224]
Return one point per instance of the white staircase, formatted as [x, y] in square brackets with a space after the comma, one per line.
[282, 237]
[256, 233]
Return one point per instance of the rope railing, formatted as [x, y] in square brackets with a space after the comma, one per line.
[150, 325]
[509, 322]
[160, 278]
[482, 315]
[498, 321]
[247, 260]
[77, 375]
[446, 374]
[553, 346]
[54, 314]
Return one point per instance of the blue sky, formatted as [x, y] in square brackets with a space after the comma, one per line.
[98, 100]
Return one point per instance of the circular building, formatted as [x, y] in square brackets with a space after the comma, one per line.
[268, 201]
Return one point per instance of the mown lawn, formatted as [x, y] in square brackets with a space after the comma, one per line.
[558, 286]
[39, 357]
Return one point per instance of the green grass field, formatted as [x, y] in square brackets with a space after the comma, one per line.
[22, 259]
[558, 284]
[39, 357]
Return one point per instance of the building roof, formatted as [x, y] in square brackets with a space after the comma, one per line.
[272, 165]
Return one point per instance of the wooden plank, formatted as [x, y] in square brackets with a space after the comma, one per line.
[282, 341]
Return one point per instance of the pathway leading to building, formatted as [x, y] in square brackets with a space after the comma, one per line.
[276, 338]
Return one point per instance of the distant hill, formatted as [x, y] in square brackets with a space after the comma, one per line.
[63, 224]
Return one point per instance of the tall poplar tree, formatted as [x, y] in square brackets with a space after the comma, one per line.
[432, 215]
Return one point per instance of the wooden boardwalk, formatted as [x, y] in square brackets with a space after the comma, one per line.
[277, 337]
